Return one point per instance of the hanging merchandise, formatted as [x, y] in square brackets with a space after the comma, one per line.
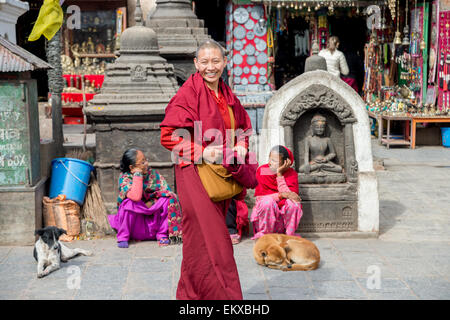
[249, 34]
[433, 43]
[444, 61]
[398, 35]
[323, 31]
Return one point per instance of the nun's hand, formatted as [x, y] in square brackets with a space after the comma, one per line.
[213, 154]
[241, 151]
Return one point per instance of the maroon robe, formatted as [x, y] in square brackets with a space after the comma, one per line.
[208, 269]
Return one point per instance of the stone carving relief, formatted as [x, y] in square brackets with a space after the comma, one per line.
[138, 73]
[316, 96]
[319, 149]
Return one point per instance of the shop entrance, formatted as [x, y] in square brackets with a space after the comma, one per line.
[353, 34]
[294, 35]
[292, 48]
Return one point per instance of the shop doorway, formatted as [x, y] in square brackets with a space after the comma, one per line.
[353, 35]
[293, 46]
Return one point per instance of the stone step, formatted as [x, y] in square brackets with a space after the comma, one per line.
[177, 31]
[169, 23]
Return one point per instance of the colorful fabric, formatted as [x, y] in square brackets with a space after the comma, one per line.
[155, 187]
[134, 220]
[267, 217]
[49, 20]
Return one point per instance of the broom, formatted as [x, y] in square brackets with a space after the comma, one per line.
[94, 208]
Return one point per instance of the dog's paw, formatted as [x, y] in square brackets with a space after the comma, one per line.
[88, 253]
[42, 274]
[286, 268]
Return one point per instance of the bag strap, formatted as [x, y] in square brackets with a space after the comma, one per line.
[233, 125]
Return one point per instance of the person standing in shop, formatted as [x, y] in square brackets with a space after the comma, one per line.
[336, 63]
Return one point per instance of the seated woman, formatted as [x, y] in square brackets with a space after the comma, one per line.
[277, 208]
[147, 207]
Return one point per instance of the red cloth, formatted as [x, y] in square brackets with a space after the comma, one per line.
[208, 269]
[97, 78]
[351, 82]
[242, 224]
[194, 103]
[242, 171]
[76, 97]
[267, 181]
[180, 144]
[223, 107]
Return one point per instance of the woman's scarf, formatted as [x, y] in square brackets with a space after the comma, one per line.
[155, 186]
[194, 103]
[267, 181]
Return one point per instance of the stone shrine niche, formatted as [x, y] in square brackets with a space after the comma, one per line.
[318, 129]
[350, 206]
[302, 131]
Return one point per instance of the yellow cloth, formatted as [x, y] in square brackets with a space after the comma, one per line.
[49, 21]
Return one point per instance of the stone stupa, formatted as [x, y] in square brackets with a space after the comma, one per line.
[179, 34]
[131, 105]
[315, 62]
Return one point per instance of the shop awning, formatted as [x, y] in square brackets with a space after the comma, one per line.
[339, 3]
[16, 59]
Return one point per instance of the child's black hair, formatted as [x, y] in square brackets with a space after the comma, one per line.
[281, 150]
[128, 159]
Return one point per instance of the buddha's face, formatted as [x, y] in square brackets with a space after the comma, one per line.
[318, 127]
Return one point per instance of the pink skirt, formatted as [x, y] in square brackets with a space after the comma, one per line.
[268, 218]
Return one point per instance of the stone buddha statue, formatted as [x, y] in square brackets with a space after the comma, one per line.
[319, 150]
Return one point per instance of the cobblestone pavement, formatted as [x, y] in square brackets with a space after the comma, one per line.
[411, 255]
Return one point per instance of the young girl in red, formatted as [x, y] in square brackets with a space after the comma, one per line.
[277, 208]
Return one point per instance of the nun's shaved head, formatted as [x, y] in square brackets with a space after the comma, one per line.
[210, 44]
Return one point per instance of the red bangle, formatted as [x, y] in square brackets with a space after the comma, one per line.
[279, 196]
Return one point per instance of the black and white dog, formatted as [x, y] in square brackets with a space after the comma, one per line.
[48, 251]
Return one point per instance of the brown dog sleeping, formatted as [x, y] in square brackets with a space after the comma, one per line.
[287, 253]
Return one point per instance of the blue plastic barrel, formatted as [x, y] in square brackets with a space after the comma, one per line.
[70, 177]
[445, 137]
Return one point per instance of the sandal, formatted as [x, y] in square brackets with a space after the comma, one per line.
[164, 242]
[235, 238]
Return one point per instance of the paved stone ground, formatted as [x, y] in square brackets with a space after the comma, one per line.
[411, 255]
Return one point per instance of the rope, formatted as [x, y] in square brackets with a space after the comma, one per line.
[87, 185]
